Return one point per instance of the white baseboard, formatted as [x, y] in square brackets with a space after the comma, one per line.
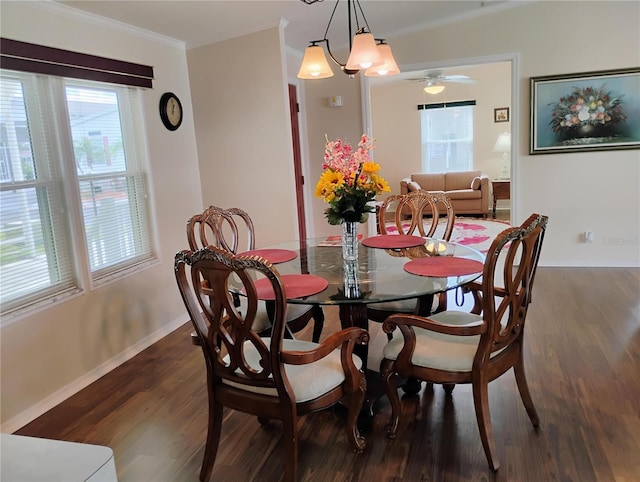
[43, 406]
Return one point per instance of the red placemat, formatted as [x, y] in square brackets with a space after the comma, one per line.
[295, 286]
[275, 256]
[393, 241]
[443, 266]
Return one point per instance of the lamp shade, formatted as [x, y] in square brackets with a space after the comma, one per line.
[314, 64]
[434, 89]
[503, 143]
[388, 67]
[364, 52]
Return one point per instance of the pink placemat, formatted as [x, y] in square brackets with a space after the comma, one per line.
[275, 256]
[443, 266]
[393, 241]
[295, 286]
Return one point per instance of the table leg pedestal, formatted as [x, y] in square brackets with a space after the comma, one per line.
[356, 315]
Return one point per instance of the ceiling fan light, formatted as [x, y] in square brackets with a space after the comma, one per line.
[434, 89]
[364, 52]
[314, 64]
[389, 66]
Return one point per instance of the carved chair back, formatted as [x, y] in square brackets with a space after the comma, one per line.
[418, 213]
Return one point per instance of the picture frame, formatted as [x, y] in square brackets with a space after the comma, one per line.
[586, 111]
[501, 114]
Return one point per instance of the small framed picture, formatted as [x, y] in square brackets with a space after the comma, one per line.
[501, 114]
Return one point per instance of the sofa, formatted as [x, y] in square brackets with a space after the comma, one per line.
[468, 190]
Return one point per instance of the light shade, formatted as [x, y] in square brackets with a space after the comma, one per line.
[388, 67]
[364, 52]
[434, 89]
[503, 143]
[314, 64]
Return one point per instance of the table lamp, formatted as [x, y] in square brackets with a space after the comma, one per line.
[503, 144]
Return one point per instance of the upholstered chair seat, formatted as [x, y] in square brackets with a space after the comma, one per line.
[439, 350]
[307, 381]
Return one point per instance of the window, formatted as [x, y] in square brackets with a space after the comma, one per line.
[73, 205]
[447, 136]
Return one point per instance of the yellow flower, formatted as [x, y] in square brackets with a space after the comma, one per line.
[328, 183]
[381, 184]
[370, 167]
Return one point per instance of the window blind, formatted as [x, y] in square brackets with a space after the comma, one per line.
[74, 204]
[447, 137]
[107, 148]
[35, 242]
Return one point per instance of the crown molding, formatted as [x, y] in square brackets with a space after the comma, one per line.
[81, 15]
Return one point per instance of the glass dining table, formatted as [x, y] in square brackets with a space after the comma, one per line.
[377, 275]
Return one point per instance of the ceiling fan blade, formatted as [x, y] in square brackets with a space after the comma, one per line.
[455, 77]
[436, 78]
[461, 81]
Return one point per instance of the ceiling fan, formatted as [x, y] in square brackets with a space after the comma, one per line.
[435, 80]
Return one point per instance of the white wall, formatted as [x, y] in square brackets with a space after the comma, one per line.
[50, 355]
[595, 191]
[241, 113]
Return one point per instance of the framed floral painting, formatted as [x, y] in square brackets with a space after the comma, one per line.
[586, 111]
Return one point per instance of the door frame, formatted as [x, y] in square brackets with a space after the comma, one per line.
[300, 180]
[307, 188]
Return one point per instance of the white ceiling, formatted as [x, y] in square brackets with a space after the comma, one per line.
[203, 22]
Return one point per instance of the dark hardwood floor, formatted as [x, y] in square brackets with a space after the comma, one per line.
[583, 362]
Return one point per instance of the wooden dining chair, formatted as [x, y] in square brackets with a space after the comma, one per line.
[233, 230]
[411, 213]
[458, 347]
[475, 288]
[272, 378]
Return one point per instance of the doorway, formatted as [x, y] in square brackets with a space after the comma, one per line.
[404, 146]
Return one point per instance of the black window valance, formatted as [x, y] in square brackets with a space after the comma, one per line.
[441, 105]
[27, 57]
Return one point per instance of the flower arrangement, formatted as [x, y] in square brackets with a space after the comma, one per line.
[586, 107]
[349, 181]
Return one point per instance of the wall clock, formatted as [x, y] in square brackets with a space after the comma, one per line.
[170, 111]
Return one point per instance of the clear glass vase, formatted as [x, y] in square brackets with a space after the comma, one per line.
[349, 240]
[351, 282]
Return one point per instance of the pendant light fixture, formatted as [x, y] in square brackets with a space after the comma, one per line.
[388, 67]
[365, 51]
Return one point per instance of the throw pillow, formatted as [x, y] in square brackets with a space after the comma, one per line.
[413, 186]
[475, 184]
